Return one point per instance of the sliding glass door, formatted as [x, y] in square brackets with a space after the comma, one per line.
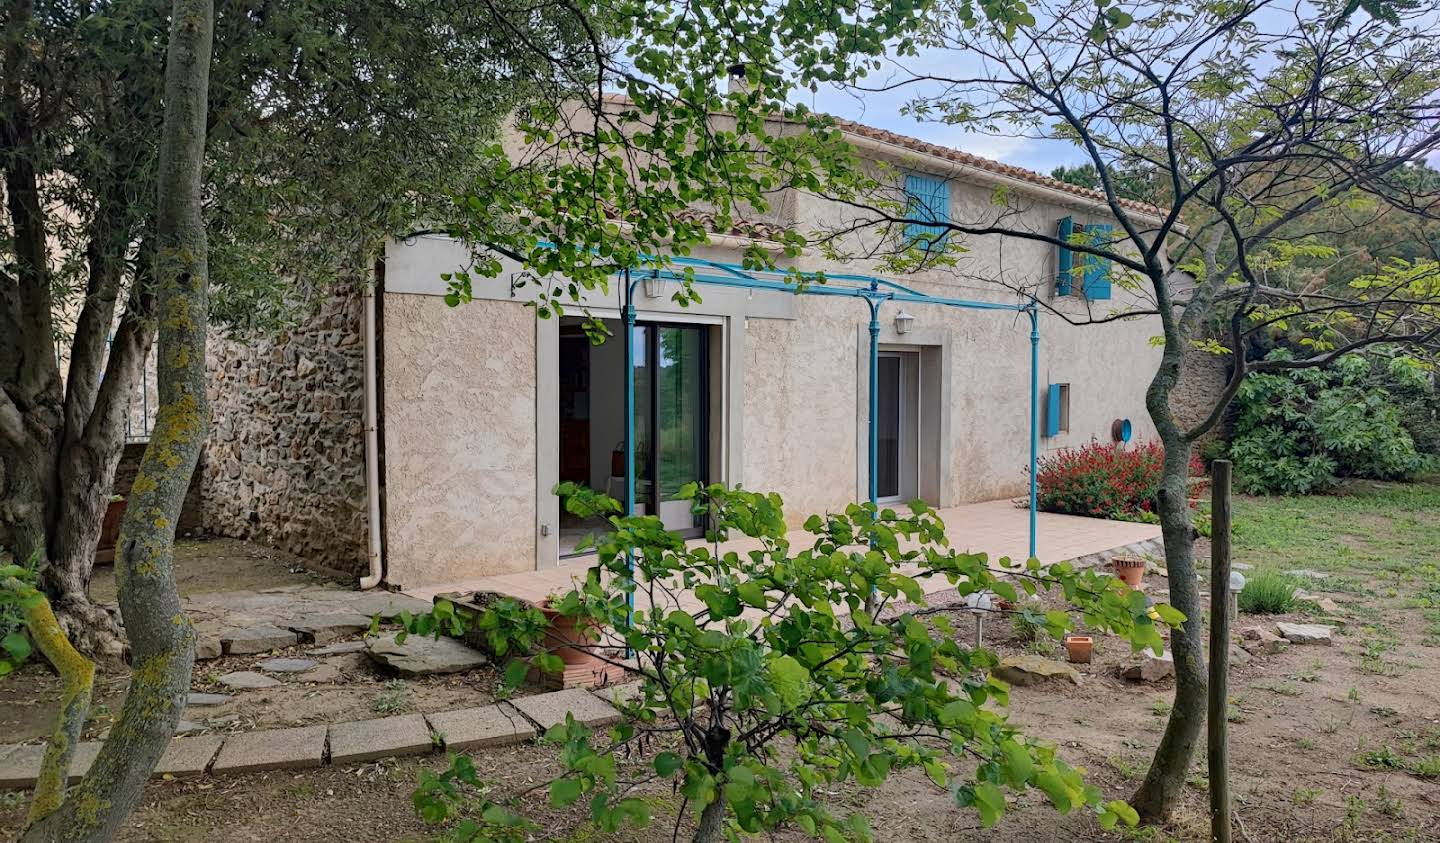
[674, 405]
[897, 426]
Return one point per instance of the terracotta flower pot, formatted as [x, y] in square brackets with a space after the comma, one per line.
[110, 531]
[1131, 569]
[573, 641]
[1078, 648]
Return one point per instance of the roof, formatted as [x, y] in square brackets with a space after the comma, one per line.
[986, 164]
[965, 159]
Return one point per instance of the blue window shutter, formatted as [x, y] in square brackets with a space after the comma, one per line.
[1065, 259]
[1097, 270]
[1052, 410]
[928, 199]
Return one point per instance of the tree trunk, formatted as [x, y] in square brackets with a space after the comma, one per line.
[161, 637]
[712, 820]
[87, 474]
[1170, 767]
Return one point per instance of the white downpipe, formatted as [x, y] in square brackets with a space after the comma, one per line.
[372, 444]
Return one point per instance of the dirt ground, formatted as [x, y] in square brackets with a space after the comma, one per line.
[28, 699]
[1337, 743]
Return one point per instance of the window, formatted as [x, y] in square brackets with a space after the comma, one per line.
[1057, 409]
[926, 198]
[1094, 272]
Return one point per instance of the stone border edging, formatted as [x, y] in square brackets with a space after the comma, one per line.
[503, 723]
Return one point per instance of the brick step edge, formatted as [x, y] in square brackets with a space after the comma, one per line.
[512, 722]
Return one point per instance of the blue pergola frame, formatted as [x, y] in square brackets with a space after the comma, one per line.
[874, 291]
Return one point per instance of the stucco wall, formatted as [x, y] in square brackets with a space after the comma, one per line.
[465, 445]
[459, 438]
[285, 460]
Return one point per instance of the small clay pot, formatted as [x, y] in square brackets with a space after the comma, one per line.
[1078, 648]
[1131, 569]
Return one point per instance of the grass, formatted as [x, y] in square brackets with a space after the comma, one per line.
[1269, 593]
[1385, 531]
[395, 699]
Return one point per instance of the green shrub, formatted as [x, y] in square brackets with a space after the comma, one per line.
[1268, 593]
[1296, 431]
[756, 704]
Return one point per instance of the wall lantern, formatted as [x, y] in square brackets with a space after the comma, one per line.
[655, 287]
[903, 321]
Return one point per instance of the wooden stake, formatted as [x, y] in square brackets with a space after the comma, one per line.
[1216, 750]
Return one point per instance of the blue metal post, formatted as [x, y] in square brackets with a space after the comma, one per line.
[874, 484]
[628, 312]
[1034, 414]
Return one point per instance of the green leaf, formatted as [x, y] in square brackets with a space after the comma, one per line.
[1169, 614]
[666, 763]
[790, 680]
[17, 645]
[1118, 810]
[565, 791]
[1016, 764]
[990, 802]
[752, 594]
[515, 673]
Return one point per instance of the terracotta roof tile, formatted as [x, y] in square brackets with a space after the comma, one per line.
[967, 159]
[989, 165]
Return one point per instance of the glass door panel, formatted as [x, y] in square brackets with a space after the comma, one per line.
[897, 426]
[679, 419]
[887, 426]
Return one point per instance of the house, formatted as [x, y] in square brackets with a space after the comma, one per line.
[476, 413]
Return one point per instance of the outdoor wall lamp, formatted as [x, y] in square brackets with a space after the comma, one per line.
[903, 321]
[654, 286]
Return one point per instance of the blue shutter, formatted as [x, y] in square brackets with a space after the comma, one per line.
[1065, 259]
[926, 199]
[1097, 270]
[1052, 410]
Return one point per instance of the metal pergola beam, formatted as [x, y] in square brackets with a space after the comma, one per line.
[873, 290]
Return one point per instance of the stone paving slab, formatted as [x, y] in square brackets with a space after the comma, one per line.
[188, 756]
[329, 626]
[367, 740]
[475, 728]
[20, 764]
[550, 709]
[275, 749]
[257, 639]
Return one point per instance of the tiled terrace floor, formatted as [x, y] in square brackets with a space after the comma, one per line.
[997, 528]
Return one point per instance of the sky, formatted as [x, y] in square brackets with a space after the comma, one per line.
[884, 110]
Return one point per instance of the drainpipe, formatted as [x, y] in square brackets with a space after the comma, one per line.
[372, 439]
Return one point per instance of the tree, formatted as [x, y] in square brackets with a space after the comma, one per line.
[162, 638]
[784, 681]
[1251, 120]
[331, 124]
[1260, 122]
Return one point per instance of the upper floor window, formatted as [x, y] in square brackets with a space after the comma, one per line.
[927, 198]
[1092, 271]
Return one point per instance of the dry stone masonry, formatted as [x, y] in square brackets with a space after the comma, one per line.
[285, 463]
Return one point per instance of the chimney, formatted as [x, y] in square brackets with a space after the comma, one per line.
[737, 82]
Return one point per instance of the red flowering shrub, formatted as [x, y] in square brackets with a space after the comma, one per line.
[1105, 480]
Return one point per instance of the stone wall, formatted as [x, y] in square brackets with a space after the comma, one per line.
[191, 511]
[1201, 381]
[285, 461]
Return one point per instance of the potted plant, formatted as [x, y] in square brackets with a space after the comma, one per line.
[1129, 568]
[1079, 648]
[110, 529]
[575, 642]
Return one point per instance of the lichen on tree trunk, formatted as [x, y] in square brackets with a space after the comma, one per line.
[161, 637]
[78, 675]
